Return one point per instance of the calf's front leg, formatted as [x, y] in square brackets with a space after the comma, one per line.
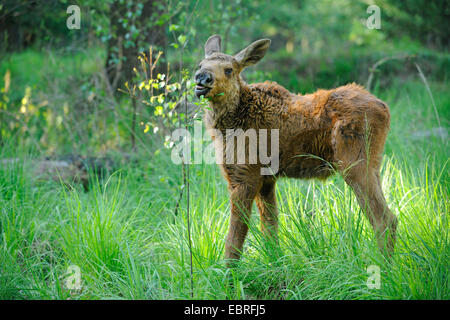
[241, 206]
[267, 206]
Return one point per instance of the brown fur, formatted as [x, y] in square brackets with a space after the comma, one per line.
[343, 129]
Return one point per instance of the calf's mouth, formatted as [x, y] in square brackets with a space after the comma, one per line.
[201, 90]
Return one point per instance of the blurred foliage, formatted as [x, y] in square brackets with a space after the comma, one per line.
[132, 26]
[25, 23]
[59, 86]
[427, 21]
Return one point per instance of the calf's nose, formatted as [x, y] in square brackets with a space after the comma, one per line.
[203, 78]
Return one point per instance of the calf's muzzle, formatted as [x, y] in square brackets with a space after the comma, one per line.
[204, 81]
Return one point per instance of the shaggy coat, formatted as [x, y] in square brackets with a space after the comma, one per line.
[342, 129]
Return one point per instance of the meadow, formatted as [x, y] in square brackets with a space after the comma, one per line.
[124, 237]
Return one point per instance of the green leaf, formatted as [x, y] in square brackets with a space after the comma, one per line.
[158, 110]
[181, 39]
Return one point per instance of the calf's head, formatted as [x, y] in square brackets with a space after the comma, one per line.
[218, 76]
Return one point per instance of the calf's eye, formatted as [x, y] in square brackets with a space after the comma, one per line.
[228, 71]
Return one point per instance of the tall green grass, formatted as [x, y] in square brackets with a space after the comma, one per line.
[123, 236]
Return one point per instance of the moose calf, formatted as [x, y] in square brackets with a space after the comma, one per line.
[343, 129]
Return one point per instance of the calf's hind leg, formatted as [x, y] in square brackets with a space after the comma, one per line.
[367, 187]
[361, 172]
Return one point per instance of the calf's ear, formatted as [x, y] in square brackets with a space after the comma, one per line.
[212, 45]
[253, 53]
